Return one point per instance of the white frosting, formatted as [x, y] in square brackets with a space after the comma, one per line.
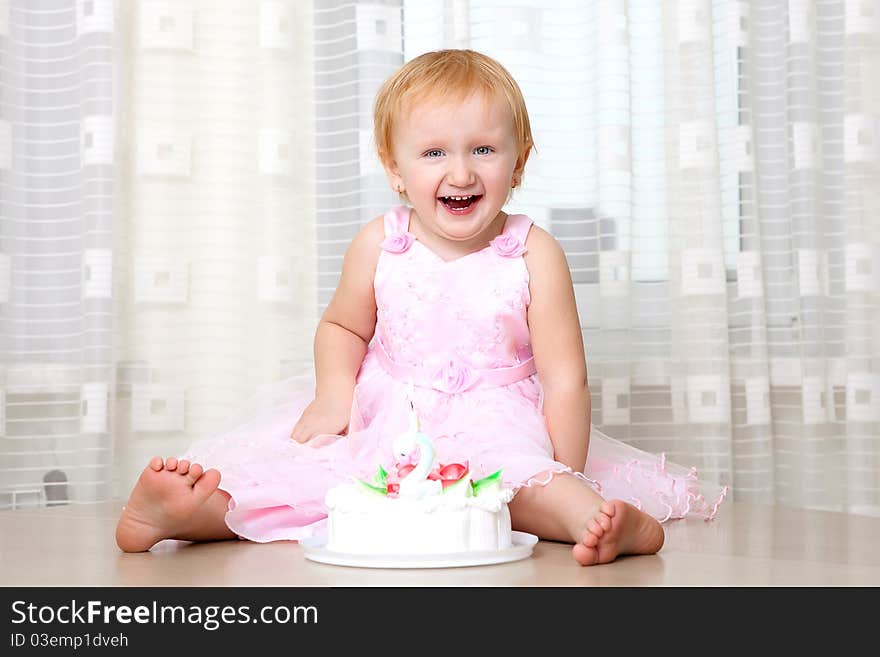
[362, 522]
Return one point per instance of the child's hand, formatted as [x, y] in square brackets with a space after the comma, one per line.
[323, 415]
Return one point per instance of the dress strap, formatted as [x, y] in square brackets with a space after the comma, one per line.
[397, 220]
[518, 226]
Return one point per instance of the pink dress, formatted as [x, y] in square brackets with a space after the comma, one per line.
[458, 330]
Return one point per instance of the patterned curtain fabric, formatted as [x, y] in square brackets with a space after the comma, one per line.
[179, 182]
[57, 222]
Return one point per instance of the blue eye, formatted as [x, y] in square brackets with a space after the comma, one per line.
[431, 152]
[483, 150]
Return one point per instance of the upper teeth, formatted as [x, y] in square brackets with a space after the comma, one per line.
[459, 198]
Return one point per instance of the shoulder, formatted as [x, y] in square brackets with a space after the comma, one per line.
[361, 257]
[544, 255]
[370, 235]
[364, 248]
[552, 301]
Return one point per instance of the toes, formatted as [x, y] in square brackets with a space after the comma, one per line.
[206, 484]
[594, 528]
[585, 556]
[608, 508]
[604, 521]
[194, 472]
[182, 466]
[171, 463]
[590, 540]
[156, 463]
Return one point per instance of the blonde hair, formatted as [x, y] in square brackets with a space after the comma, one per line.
[452, 75]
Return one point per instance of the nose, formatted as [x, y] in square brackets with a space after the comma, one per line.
[459, 173]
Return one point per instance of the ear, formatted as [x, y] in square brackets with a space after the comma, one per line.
[521, 163]
[393, 173]
[519, 167]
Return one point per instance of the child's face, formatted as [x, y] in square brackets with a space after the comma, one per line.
[443, 150]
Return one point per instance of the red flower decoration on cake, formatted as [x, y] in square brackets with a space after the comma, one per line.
[446, 474]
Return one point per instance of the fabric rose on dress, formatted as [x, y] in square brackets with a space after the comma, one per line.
[398, 242]
[507, 246]
[454, 376]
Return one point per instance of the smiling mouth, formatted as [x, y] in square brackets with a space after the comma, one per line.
[459, 204]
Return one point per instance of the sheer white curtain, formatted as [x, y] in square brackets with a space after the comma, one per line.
[157, 229]
[710, 166]
[56, 250]
[216, 273]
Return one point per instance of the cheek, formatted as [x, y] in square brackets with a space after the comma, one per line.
[500, 178]
[423, 176]
[501, 171]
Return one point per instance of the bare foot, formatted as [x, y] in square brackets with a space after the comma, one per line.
[165, 496]
[618, 528]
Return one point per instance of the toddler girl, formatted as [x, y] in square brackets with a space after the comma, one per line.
[475, 307]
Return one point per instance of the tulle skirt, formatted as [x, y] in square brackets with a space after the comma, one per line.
[277, 486]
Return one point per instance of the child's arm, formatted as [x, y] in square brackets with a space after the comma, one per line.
[344, 331]
[557, 344]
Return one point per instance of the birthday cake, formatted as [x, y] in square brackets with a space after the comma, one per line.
[419, 508]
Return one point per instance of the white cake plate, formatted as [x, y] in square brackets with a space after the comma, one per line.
[313, 548]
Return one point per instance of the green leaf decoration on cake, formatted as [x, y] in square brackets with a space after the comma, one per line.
[461, 488]
[380, 478]
[488, 484]
[370, 488]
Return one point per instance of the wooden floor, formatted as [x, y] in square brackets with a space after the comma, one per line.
[746, 545]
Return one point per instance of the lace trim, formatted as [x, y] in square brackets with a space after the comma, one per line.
[691, 500]
[533, 481]
[687, 500]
